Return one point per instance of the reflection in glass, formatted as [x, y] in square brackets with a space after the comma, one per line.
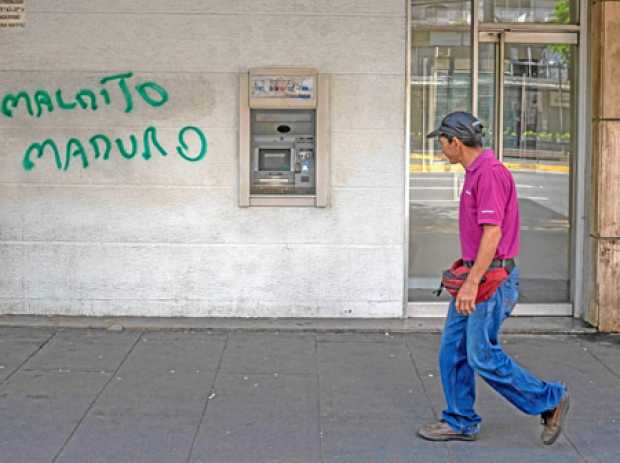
[529, 11]
[487, 70]
[440, 83]
[440, 12]
[538, 147]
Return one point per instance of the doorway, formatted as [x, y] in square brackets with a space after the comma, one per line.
[514, 64]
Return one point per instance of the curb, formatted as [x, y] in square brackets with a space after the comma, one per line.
[515, 325]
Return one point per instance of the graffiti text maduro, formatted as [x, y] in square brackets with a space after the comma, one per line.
[192, 146]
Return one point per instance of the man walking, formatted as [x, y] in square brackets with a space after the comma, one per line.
[489, 236]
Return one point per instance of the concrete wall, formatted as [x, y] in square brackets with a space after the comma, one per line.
[165, 236]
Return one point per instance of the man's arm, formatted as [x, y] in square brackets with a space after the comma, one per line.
[466, 297]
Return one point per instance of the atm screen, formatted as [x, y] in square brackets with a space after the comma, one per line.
[270, 159]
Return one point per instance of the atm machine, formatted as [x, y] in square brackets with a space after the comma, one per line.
[284, 138]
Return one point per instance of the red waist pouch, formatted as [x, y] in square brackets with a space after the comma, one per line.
[453, 278]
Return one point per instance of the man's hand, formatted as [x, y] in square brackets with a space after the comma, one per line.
[466, 297]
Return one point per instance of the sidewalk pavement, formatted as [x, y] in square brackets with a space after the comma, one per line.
[211, 396]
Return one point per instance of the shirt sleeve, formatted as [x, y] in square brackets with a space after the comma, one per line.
[491, 196]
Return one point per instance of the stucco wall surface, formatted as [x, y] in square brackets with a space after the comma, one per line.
[164, 235]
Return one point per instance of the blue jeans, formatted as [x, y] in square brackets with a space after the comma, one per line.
[469, 345]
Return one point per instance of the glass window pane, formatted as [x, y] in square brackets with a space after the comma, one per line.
[529, 11]
[538, 146]
[440, 12]
[440, 83]
[487, 72]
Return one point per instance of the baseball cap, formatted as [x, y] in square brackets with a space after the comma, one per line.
[460, 124]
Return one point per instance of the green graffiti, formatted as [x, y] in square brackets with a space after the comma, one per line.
[151, 134]
[106, 96]
[152, 93]
[75, 148]
[108, 146]
[100, 147]
[163, 94]
[122, 84]
[81, 97]
[41, 97]
[192, 143]
[40, 150]
[61, 102]
[121, 147]
[9, 100]
[182, 149]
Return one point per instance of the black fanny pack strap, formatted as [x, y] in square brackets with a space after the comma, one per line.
[439, 290]
[509, 264]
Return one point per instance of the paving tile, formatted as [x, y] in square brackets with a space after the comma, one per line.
[43, 408]
[105, 439]
[378, 439]
[605, 348]
[424, 350]
[10, 334]
[159, 352]
[598, 440]
[361, 337]
[14, 354]
[261, 418]
[170, 393]
[17, 345]
[83, 350]
[368, 379]
[514, 454]
[269, 353]
[34, 437]
[56, 385]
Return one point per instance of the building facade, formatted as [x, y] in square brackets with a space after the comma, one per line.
[120, 155]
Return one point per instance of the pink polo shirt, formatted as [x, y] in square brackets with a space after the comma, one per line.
[489, 196]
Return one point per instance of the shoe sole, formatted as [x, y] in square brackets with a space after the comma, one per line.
[561, 425]
[456, 437]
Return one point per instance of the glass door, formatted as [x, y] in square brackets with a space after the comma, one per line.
[528, 106]
[441, 83]
[514, 64]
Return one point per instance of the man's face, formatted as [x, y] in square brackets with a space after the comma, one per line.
[452, 150]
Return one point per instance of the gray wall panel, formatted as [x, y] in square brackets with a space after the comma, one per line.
[324, 7]
[260, 274]
[207, 216]
[113, 42]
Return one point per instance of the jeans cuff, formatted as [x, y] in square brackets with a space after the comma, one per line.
[470, 429]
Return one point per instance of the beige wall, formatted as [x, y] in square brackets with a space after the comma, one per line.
[165, 236]
[604, 298]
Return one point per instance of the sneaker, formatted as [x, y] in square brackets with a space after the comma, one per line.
[553, 421]
[441, 431]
